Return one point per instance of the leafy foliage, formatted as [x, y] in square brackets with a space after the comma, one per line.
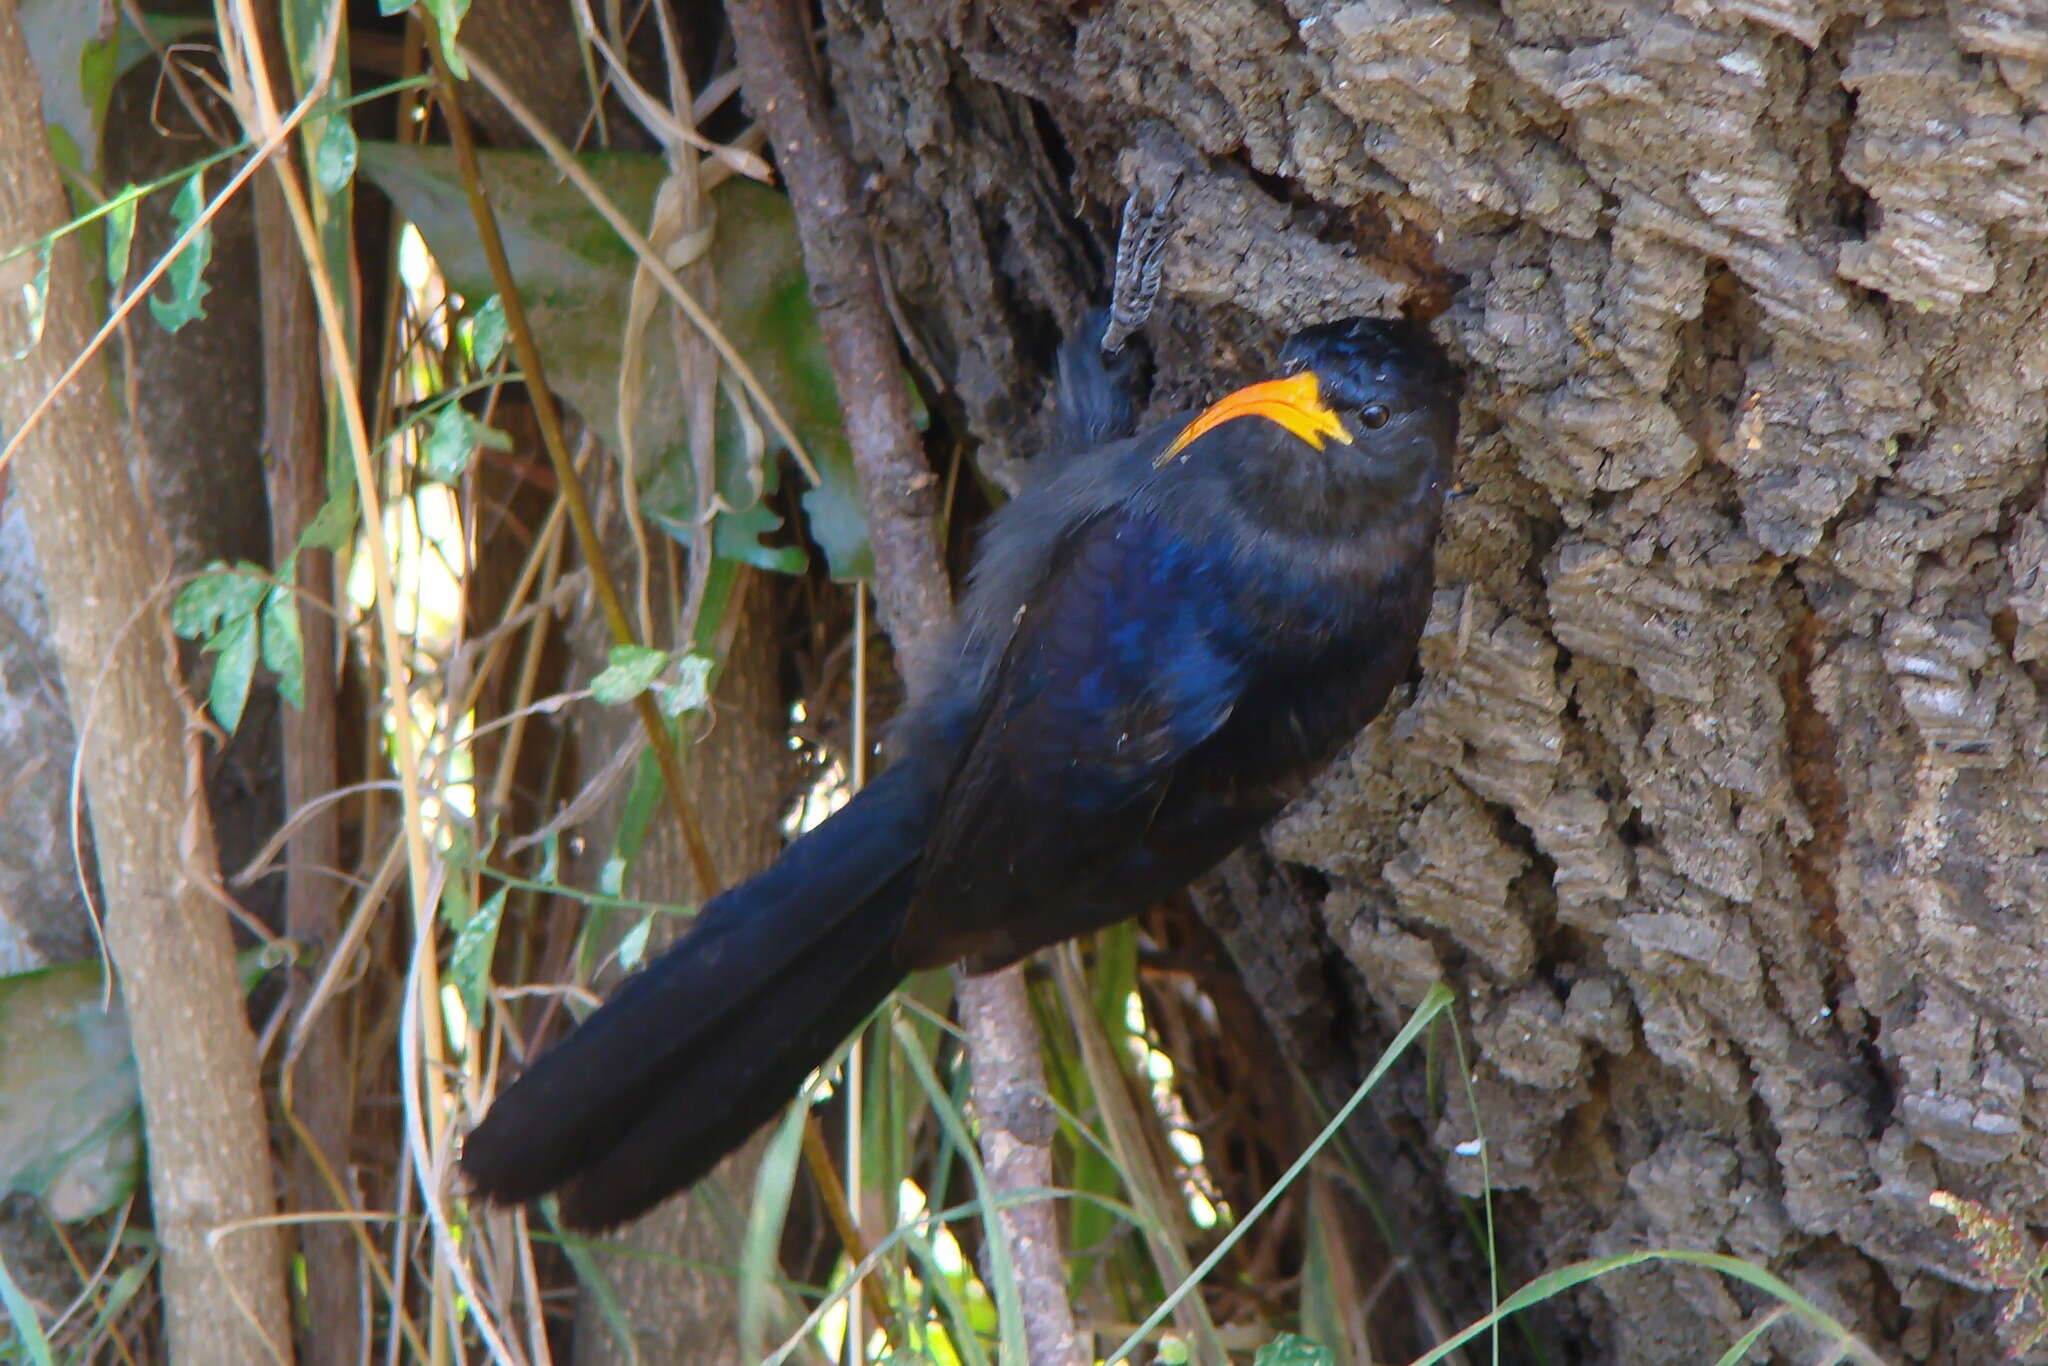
[235, 612]
[576, 277]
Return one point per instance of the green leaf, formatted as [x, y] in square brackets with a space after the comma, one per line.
[334, 164]
[185, 281]
[451, 442]
[73, 48]
[284, 649]
[630, 671]
[488, 332]
[1289, 1350]
[448, 18]
[469, 962]
[334, 526]
[234, 667]
[70, 1116]
[121, 235]
[217, 594]
[576, 275]
[690, 691]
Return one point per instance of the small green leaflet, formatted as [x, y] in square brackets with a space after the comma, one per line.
[334, 165]
[447, 16]
[35, 301]
[185, 280]
[284, 650]
[690, 691]
[469, 963]
[453, 439]
[236, 613]
[334, 525]
[634, 669]
[630, 671]
[487, 333]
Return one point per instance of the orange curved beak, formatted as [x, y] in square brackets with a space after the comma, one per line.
[1295, 403]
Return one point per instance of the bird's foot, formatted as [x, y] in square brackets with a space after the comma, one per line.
[1141, 243]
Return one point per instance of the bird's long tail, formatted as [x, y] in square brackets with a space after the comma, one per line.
[700, 1048]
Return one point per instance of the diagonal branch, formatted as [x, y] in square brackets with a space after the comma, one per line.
[912, 592]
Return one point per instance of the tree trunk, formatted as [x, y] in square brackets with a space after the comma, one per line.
[1719, 796]
[195, 1055]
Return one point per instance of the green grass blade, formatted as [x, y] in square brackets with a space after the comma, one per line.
[1434, 1004]
[28, 1329]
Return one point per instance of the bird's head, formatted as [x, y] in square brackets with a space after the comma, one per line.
[1378, 396]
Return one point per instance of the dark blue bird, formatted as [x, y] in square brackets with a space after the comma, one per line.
[1164, 640]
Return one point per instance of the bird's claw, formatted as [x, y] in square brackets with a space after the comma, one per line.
[1140, 245]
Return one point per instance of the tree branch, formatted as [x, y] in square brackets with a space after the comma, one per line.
[912, 593]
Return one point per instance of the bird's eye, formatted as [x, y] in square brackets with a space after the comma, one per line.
[1376, 415]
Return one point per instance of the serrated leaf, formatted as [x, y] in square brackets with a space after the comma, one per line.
[284, 649]
[488, 332]
[630, 671]
[70, 1117]
[177, 300]
[121, 235]
[334, 164]
[217, 594]
[469, 962]
[1290, 1350]
[234, 668]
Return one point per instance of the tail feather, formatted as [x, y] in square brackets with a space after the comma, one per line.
[700, 1047]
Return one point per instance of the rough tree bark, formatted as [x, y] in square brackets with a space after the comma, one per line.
[195, 1054]
[1720, 793]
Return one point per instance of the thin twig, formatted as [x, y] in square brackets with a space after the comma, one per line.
[897, 485]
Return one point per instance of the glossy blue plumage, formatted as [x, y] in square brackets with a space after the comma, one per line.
[1150, 661]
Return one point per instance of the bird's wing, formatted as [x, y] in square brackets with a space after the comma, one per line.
[1119, 665]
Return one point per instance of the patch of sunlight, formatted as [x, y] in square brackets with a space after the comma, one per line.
[428, 543]
[823, 797]
[911, 1206]
[455, 1020]
[1197, 1186]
